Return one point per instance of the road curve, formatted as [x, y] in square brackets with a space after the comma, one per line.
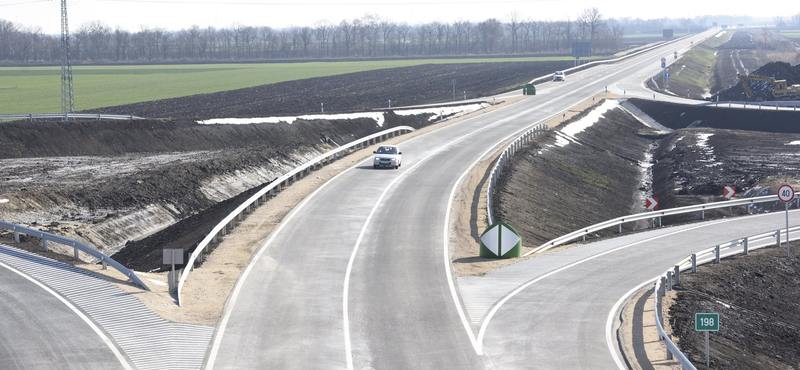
[356, 277]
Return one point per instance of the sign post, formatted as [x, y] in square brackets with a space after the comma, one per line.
[453, 82]
[786, 195]
[706, 322]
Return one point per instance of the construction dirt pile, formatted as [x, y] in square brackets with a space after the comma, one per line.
[762, 90]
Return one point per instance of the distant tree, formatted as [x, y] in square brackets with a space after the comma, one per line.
[489, 33]
[513, 23]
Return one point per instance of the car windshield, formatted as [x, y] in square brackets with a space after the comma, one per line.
[387, 150]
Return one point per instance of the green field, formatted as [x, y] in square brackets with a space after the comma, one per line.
[792, 34]
[698, 61]
[38, 89]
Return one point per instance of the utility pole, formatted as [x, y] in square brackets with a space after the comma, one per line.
[67, 96]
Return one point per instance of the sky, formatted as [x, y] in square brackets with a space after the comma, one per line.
[175, 15]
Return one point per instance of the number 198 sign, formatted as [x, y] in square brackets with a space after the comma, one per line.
[706, 322]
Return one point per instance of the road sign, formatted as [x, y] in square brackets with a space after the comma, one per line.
[651, 203]
[785, 193]
[730, 191]
[666, 75]
[706, 322]
[663, 65]
[663, 60]
[500, 240]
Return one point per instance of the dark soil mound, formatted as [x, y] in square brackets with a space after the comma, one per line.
[677, 116]
[361, 91]
[537, 193]
[108, 138]
[759, 324]
[762, 90]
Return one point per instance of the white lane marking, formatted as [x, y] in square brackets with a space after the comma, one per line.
[610, 323]
[453, 291]
[238, 287]
[505, 299]
[497, 306]
[111, 345]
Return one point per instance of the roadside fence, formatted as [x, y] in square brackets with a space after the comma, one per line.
[711, 255]
[238, 215]
[512, 149]
[45, 236]
[34, 117]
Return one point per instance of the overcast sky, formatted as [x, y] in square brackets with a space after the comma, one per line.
[180, 14]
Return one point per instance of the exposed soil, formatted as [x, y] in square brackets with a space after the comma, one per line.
[759, 316]
[549, 187]
[690, 166]
[762, 90]
[174, 179]
[362, 91]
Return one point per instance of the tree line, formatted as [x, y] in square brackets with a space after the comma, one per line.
[369, 36]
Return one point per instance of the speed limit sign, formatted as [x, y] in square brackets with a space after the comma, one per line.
[785, 193]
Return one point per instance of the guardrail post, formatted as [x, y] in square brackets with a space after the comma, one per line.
[703, 214]
[659, 221]
[676, 273]
[241, 216]
[619, 229]
[669, 281]
[778, 238]
[104, 263]
[16, 237]
[232, 224]
[44, 244]
[716, 254]
[76, 253]
[744, 242]
[694, 263]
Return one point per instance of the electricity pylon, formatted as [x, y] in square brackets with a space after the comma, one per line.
[67, 96]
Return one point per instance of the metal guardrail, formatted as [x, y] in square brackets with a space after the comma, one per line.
[33, 117]
[45, 236]
[229, 222]
[651, 215]
[501, 162]
[772, 103]
[715, 254]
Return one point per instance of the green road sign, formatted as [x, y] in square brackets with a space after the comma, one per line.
[706, 322]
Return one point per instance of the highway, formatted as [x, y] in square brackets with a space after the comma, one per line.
[39, 330]
[358, 276]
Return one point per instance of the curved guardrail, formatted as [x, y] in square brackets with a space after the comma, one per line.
[45, 236]
[501, 162]
[33, 117]
[229, 222]
[650, 215]
[714, 254]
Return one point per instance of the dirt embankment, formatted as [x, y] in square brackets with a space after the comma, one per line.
[107, 183]
[563, 182]
[757, 301]
[755, 295]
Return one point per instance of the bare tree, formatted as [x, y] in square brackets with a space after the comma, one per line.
[489, 33]
[513, 23]
[592, 20]
[323, 33]
[387, 30]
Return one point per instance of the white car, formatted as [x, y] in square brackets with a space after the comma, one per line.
[387, 156]
[559, 76]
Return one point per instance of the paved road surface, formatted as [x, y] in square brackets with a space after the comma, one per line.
[357, 278]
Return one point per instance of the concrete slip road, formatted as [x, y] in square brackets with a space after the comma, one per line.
[357, 276]
[565, 313]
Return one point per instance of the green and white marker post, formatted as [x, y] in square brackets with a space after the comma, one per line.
[706, 322]
[500, 241]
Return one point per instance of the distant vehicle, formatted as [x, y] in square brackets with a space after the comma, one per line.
[559, 76]
[387, 156]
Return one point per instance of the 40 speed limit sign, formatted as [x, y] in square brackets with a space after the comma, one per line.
[785, 193]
